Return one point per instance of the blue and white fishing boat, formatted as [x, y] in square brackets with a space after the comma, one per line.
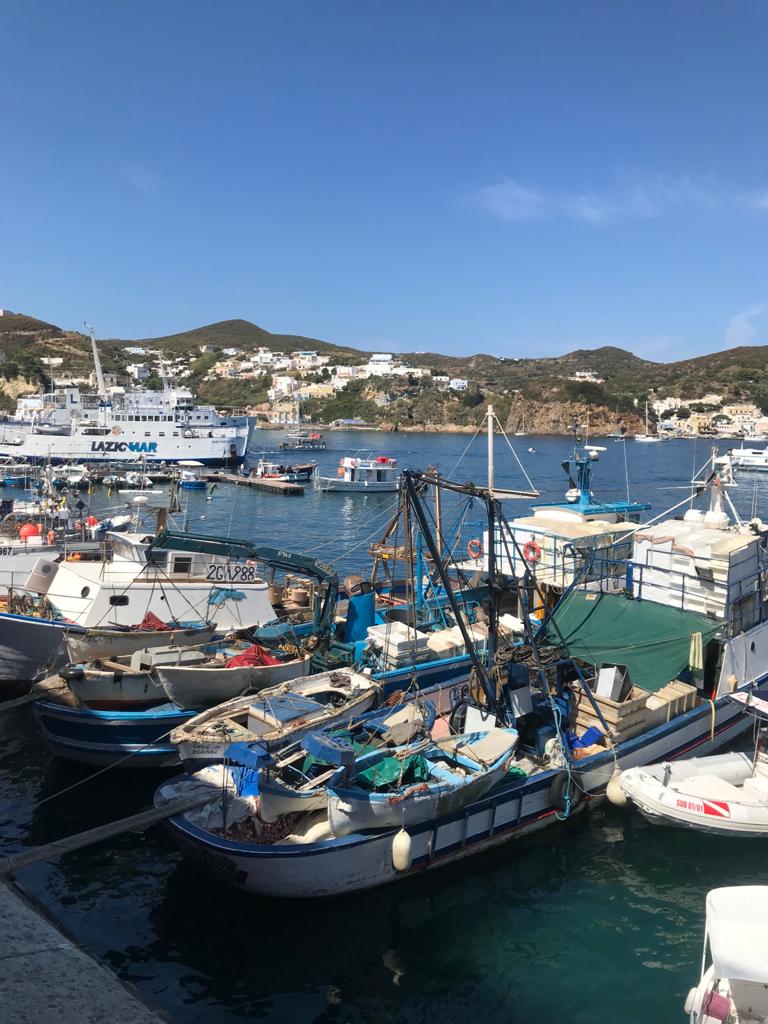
[416, 783]
[133, 738]
[295, 779]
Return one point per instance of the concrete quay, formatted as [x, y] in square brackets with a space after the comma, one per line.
[46, 979]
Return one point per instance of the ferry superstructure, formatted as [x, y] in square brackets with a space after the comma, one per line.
[116, 426]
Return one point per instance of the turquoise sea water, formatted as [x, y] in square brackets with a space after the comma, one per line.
[599, 918]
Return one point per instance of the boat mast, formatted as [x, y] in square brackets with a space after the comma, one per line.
[101, 386]
[490, 449]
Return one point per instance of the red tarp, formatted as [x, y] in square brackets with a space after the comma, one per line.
[253, 655]
[151, 621]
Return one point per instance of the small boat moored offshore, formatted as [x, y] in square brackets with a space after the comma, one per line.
[362, 472]
[734, 988]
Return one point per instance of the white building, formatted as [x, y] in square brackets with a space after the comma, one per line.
[138, 371]
[458, 384]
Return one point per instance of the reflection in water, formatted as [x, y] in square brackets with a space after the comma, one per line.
[600, 919]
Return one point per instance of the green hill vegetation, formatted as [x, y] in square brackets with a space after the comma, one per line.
[520, 387]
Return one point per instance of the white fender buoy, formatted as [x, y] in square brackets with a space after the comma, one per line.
[401, 851]
[690, 1002]
[614, 792]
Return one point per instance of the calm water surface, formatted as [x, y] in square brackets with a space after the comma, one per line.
[600, 918]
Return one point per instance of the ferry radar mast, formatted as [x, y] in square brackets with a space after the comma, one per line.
[101, 386]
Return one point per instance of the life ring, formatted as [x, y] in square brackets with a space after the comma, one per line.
[475, 548]
[564, 794]
[531, 552]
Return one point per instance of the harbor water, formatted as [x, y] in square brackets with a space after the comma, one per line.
[600, 917]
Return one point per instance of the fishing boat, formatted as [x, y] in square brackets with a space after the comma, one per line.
[733, 989]
[292, 474]
[669, 700]
[276, 717]
[304, 441]
[362, 473]
[136, 738]
[295, 779]
[109, 426]
[417, 783]
[94, 644]
[190, 478]
[226, 674]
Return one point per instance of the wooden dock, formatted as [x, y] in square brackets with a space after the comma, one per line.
[260, 484]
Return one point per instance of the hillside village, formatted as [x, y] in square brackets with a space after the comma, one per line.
[277, 378]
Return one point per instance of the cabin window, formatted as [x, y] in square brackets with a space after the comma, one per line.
[159, 558]
[182, 565]
[175, 433]
[118, 599]
[85, 592]
[162, 433]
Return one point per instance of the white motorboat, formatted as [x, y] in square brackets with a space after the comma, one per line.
[362, 473]
[724, 793]
[733, 989]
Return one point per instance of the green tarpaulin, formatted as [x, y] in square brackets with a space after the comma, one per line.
[394, 770]
[653, 641]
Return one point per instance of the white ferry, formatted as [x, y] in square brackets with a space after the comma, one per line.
[116, 425]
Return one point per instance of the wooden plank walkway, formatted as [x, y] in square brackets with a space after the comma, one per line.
[272, 486]
[134, 823]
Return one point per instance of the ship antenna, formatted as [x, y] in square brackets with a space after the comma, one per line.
[163, 374]
[102, 388]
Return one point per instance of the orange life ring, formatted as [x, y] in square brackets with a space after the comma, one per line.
[475, 548]
[531, 552]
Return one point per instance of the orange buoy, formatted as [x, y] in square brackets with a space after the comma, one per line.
[92, 520]
[29, 530]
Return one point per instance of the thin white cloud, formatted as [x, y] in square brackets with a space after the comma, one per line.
[648, 199]
[743, 328]
[141, 177]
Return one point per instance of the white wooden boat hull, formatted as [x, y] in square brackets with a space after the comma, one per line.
[109, 691]
[114, 643]
[200, 686]
[329, 483]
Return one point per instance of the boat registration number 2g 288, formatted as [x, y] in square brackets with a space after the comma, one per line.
[235, 573]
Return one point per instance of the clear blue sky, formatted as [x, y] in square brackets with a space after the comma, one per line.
[515, 177]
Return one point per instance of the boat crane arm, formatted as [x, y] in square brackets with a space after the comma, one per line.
[171, 540]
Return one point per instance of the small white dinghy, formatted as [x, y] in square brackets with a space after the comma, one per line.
[725, 793]
[112, 643]
[734, 988]
[417, 783]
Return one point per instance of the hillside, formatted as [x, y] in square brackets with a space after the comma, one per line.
[541, 393]
[234, 334]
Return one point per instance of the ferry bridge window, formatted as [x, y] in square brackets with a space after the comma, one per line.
[121, 599]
